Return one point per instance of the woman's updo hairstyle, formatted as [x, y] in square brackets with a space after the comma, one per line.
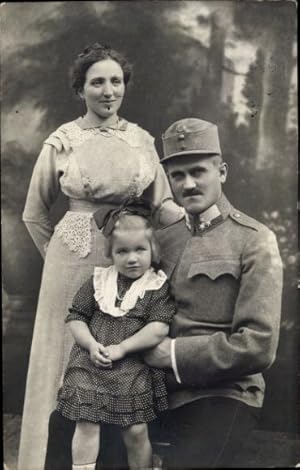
[92, 54]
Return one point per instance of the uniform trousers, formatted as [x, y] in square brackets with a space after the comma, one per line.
[207, 433]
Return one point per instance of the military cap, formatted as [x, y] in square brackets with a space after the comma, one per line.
[190, 135]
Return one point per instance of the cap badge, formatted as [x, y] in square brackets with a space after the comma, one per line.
[181, 136]
[180, 128]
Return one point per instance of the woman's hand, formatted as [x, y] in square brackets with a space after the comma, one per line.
[115, 352]
[99, 355]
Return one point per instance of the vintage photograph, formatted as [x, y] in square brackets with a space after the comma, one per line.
[149, 170]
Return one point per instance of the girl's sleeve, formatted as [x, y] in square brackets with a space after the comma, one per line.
[161, 305]
[159, 193]
[42, 193]
[83, 305]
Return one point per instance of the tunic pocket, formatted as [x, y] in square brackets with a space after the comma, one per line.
[251, 383]
[214, 268]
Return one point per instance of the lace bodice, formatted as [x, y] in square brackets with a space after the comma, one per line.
[106, 163]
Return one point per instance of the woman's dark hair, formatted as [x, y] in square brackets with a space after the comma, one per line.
[90, 56]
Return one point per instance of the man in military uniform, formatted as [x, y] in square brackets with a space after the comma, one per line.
[226, 277]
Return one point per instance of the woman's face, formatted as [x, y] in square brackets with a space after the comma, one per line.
[104, 88]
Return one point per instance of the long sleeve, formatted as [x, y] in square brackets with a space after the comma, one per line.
[251, 345]
[43, 191]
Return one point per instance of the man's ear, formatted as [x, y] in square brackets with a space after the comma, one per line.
[223, 168]
[166, 168]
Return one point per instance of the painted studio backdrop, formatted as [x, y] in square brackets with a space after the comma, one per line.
[230, 62]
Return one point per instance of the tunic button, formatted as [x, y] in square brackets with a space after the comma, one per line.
[204, 225]
[237, 215]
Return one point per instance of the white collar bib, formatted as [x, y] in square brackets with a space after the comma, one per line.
[106, 289]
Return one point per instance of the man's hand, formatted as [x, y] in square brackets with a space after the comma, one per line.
[160, 356]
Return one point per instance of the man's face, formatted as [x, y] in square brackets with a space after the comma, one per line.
[196, 181]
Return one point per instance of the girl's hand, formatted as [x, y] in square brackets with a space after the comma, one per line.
[99, 355]
[115, 352]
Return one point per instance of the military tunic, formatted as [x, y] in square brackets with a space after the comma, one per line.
[227, 283]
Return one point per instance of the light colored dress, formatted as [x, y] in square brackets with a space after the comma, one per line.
[106, 165]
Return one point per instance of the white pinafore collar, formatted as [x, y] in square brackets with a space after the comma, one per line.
[106, 289]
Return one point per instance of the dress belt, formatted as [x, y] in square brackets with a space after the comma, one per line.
[80, 205]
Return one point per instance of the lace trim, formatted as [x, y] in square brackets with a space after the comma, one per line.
[105, 286]
[75, 231]
[76, 135]
[137, 137]
[146, 176]
[133, 134]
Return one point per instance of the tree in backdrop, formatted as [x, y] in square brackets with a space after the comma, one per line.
[176, 75]
[273, 30]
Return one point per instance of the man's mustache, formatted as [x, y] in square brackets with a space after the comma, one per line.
[191, 192]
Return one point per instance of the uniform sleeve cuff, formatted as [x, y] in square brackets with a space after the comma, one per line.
[173, 361]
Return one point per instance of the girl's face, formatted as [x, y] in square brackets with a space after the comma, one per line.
[104, 88]
[131, 253]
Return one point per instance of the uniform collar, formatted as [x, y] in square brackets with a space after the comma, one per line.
[202, 220]
[93, 123]
[213, 214]
[224, 206]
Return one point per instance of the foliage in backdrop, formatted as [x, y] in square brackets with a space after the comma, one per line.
[227, 61]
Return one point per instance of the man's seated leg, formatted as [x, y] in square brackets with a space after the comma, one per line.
[209, 432]
[113, 454]
[160, 440]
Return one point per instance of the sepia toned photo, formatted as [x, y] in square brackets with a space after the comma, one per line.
[149, 170]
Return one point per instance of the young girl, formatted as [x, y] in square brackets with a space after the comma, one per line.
[119, 312]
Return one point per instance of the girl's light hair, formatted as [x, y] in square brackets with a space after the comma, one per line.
[131, 223]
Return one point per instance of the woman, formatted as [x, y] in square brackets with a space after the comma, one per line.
[110, 160]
